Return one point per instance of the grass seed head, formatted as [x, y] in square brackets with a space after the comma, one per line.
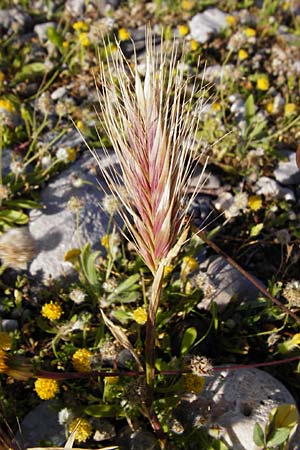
[152, 125]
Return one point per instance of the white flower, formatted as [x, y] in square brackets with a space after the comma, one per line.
[62, 154]
[77, 296]
[65, 416]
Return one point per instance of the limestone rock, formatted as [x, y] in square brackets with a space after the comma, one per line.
[54, 226]
[288, 172]
[206, 24]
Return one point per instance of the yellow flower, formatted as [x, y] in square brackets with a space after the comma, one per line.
[7, 105]
[79, 125]
[187, 5]
[3, 358]
[140, 315]
[168, 269]
[242, 54]
[46, 388]
[250, 32]
[83, 429]
[111, 380]
[216, 106]
[189, 264]
[72, 254]
[289, 109]
[65, 44]
[183, 30]
[262, 82]
[81, 360]
[123, 34]
[231, 20]
[193, 383]
[255, 202]
[105, 241]
[52, 311]
[194, 45]
[84, 39]
[80, 26]
[270, 107]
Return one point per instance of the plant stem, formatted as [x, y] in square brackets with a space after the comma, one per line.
[150, 335]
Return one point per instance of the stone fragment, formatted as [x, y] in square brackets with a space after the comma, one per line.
[75, 7]
[54, 226]
[227, 282]
[9, 325]
[41, 424]
[287, 171]
[270, 188]
[205, 25]
[41, 30]
[232, 402]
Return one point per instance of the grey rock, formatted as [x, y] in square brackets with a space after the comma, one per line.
[104, 430]
[70, 139]
[75, 7]
[143, 440]
[233, 401]
[204, 25]
[288, 172]
[54, 226]
[41, 424]
[226, 283]
[9, 325]
[42, 30]
[14, 20]
[59, 92]
[270, 188]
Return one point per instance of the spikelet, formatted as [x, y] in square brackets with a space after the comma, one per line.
[17, 248]
[152, 126]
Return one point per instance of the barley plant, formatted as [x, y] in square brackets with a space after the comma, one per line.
[152, 125]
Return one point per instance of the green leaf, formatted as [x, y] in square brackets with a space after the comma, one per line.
[55, 37]
[88, 262]
[256, 229]
[250, 106]
[30, 72]
[278, 437]
[22, 203]
[285, 416]
[13, 216]
[43, 325]
[258, 435]
[128, 285]
[189, 337]
[103, 411]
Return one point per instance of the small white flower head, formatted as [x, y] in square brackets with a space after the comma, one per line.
[292, 293]
[46, 161]
[17, 167]
[65, 416]
[201, 366]
[77, 296]
[110, 204]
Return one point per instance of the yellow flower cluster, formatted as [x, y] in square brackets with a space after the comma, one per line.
[255, 202]
[83, 429]
[242, 54]
[7, 105]
[231, 20]
[3, 357]
[123, 34]
[5, 341]
[140, 315]
[187, 5]
[81, 360]
[84, 39]
[263, 82]
[193, 383]
[183, 30]
[250, 32]
[194, 45]
[80, 26]
[189, 264]
[52, 311]
[46, 388]
[289, 109]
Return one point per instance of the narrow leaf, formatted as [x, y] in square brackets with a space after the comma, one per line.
[258, 435]
[189, 337]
